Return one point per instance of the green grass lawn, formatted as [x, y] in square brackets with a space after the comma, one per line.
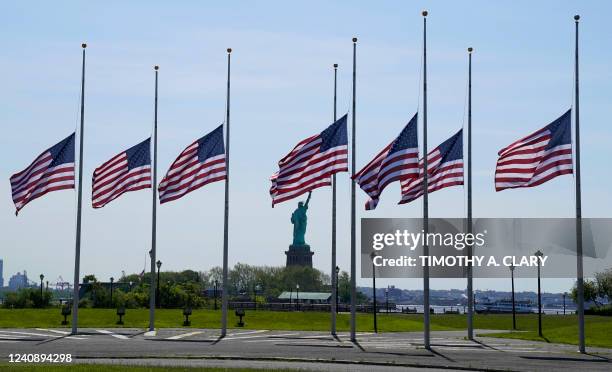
[564, 330]
[556, 328]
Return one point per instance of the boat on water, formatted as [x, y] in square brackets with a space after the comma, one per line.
[504, 307]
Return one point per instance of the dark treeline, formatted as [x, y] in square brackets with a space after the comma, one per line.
[193, 288]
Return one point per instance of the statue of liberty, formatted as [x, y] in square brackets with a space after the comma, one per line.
[299, 221]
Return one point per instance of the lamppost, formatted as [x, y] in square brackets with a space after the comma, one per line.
[41, 288]
[513, 303]
[564, 295]
[215, 292]
[539, 254]
[131, 282]
[111, 290]
[158, 263]
[257, 289]
[297, 297]
[372, 256]
[167, 291]
[387, 299]
[337, 303]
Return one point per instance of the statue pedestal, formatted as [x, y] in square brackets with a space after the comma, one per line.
[299, 255]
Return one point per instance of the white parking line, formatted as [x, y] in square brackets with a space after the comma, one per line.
[273, 338]
[14, 337]
[283, 334]
[27, 333]
[183, 335]
[247, 333]
[244, 338]
[53, 331]
[107, 332]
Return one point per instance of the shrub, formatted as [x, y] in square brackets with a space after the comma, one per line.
[26, 298]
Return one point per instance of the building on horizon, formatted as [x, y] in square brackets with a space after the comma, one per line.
[18, 281]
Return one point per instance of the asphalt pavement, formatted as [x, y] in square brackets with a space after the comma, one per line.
[317, 351]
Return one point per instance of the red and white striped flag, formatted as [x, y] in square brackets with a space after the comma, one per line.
[311, 163]
[396, 162]
[537, 158]
[52, 170]
[199, 164]
[127, 171]
[445, 169]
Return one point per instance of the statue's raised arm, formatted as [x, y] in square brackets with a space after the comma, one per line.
[308, 199]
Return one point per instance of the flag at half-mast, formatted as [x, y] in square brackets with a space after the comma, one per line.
[398, 161]
[52, 170]
[129, 170]
[537, 158]
[311, 163]
[445, 169]
[199, 164]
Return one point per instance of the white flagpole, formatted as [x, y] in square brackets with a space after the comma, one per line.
[224, 295]
[579, 260]
[77, 254]
[470, 274]
[334, 275]
[426, 328]
[353, 207]
[153, 288]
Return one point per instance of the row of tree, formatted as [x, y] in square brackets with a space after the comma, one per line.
[195, 289]
[599, 292]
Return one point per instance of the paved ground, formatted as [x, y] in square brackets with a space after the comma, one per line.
[301, 350]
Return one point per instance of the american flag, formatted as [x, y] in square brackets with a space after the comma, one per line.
[311, 163]
[537, 158]
[51, 171]
[199, 164]
[396, 162]
[445, 169]
[127, 171]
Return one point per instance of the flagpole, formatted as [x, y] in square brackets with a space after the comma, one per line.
[152, 290]
[353, 206]
[470, 277]
[334, 275]
[425, 191]
[579, 263]
[77, 253]
[226, 214]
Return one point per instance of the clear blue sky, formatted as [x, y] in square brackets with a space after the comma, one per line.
[282, 92]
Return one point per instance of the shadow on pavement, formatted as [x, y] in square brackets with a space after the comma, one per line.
[318, 345]
[212, 342]
[459, 345]
[324, 338]
[485, 345]
[221, 337]
[130, 335]
[397, 353]
[568, 359]
[356, 343]
[442, 355]
[46, 340]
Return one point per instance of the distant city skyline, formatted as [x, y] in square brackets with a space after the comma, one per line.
[281, 93]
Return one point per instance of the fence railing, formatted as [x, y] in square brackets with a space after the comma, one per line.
[293, 306]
